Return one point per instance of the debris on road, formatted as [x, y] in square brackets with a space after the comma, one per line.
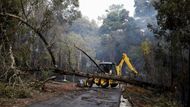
[53, 86]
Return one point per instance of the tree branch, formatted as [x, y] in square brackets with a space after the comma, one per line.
[23, 11]
[36, 31]
[90, 58]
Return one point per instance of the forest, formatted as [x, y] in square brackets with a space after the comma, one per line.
[42, 38]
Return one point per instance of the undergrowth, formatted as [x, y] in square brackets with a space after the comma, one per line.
[7, 91]
[140, 97]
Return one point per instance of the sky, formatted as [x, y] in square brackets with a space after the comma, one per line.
[94, 8]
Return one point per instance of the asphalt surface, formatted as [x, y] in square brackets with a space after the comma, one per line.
[94, 97]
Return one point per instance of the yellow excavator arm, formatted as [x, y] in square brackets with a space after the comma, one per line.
[125, 59]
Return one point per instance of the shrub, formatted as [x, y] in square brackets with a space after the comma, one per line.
[13, 92]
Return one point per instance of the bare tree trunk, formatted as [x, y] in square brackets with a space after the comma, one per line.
[12, 66]
[79, 61]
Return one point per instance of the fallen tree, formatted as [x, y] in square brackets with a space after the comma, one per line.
[123, 79]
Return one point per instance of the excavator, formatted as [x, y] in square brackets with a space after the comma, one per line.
[111, 69]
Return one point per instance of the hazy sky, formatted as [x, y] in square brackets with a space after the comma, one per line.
[95, 8]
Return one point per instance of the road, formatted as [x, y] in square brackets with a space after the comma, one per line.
[94, 97]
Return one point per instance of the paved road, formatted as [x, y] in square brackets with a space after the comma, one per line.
[94, 97]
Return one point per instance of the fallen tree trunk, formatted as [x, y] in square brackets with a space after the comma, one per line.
[124, 79]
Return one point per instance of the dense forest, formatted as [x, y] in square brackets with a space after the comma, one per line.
[37, 36]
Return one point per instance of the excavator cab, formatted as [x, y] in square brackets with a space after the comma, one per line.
[107, 67]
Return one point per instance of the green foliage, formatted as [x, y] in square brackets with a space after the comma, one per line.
[116, 19]
[13, 92]
[173, 15]
[28, 51]
[173, 20]
[70, 7]
[84, 27]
